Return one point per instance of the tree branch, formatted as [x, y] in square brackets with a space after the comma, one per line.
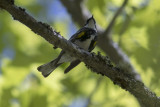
[96, 63]
[75, 8]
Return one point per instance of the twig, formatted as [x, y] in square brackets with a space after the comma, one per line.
[112, 49]
[111, 24]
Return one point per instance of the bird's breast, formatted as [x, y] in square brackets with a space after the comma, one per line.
[86, 43]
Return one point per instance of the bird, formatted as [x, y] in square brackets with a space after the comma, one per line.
[85, 38]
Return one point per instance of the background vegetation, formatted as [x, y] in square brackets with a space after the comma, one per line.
[21, 51]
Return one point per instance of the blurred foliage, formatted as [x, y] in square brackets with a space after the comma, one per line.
[136, 31]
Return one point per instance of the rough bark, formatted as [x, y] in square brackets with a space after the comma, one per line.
[97, 63]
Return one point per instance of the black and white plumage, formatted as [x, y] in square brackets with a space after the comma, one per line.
[85, 38]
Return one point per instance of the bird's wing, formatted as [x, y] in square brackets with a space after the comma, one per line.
[80, 33]
[77, 35]
[93, 44]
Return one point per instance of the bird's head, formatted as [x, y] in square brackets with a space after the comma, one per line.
[91, 23]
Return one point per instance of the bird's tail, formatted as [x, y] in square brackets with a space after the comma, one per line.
[47, 69]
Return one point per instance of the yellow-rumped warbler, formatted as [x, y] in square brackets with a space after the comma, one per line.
[85, 38]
